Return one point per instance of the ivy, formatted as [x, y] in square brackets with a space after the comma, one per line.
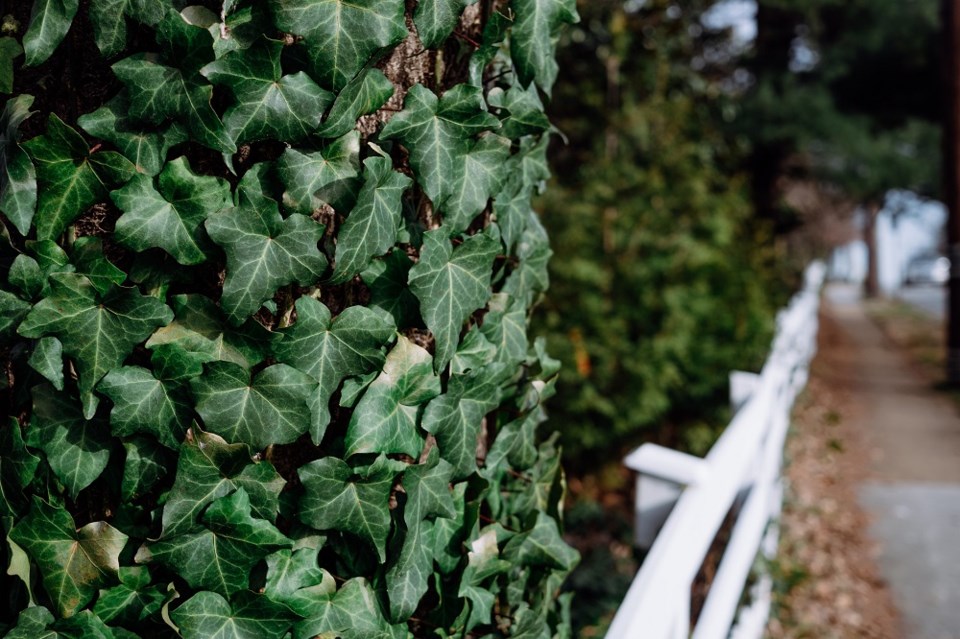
[264, 321]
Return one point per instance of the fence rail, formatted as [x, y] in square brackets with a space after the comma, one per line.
[683, 500]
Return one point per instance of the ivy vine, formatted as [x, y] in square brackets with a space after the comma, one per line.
[264, 320]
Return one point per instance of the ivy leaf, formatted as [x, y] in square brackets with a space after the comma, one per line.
[109, 21]
[407, 579]
[451, 283]
[352, 344]
[144, 404]
[524, 111]
[77, 449]
[439, 135]
[455, 417]
[364, 94]
[531, 276]
[146, 463]
[31, 275]
[47, 359]
[427, 486]
[221, 556]
[505, 326]
[49, 23]
[17, 466]
[371, 228]
[387, 280]
[335, 498]
[32, 623]
[171, 215]
[210, 468]
[351, 613]
[268, 104]
[18, 181]
[200, 329]
[533, 38]
[542, 545]
[10, 50]
[158, 92]
[207, 615]
[270, 409]
[71, 178]
[474, 352]
[88, 259]
[12, 311]
[264, 252]
[73, 563]
[38, 623]
[341, 37]
[385, 419]
[329, 176]
[295, 580]
[146, 148]
[479, 173]
[436, 19]
[131, 602]
[97, 332]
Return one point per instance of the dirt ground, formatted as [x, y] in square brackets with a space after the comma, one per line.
[827, 583]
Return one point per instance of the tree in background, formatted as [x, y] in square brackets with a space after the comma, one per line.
[845, 94]
[266, 367]
[662, 288]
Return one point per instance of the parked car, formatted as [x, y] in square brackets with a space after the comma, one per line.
[928, 269]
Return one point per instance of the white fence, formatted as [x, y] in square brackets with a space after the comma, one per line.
[682, 500]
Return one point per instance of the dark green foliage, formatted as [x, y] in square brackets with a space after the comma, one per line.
[264, 334]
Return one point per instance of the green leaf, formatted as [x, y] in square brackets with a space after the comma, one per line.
[335, 498]
[49, 23]
[267, 104]
[436, 19]
[88, 258]
[221, 556]
[505, 326]
[523, 110]
[451, 283]
[270, 409]
[387, 280]
[97, 332]
[352, 344]
[131, 602]
[455, 417]
[207, 615]
[18, 181]
[534, 35]
[351, 613]
[73, 563]
[30, 275]
[329, 176]
[158, 92]
[474, 352]
[146, 463]
[439, 134]
[38, 623]
[341, 37]
[12, 311]
[47, 359]
[386, 417]
[17, 467]
[77, 449]
[407, 579]
[295, 580]
[371, 228]
[109, 20]
[363, 95]
[427, 486]
[210, 468]
[32, 623]
[71, 178]
[542, 545]
[146, 148]
[144, 404]
[10, 50]
[264, 252]
[171, 215]
[531, 276]
[200, 329]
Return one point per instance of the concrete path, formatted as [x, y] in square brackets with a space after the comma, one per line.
[913, 497]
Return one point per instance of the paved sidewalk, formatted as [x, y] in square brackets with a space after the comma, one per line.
[913, 439]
